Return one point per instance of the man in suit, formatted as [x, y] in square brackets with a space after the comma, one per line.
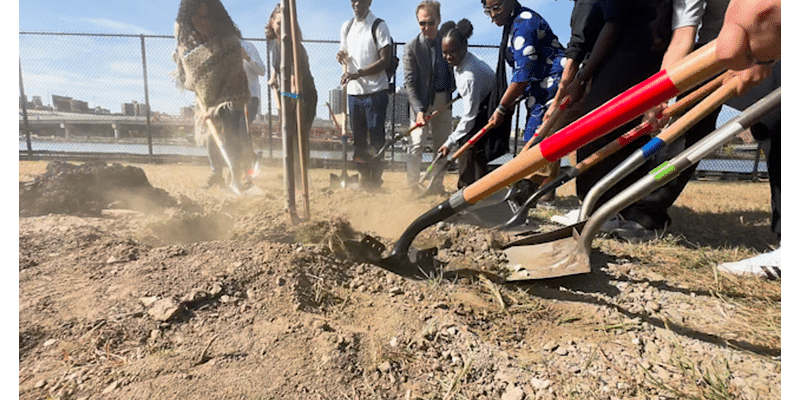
[429, 83]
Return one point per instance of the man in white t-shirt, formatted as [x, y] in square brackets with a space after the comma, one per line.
[366, 56]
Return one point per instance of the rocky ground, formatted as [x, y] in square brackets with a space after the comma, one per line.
[204, 295]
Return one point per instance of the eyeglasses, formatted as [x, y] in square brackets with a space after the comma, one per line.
[495, 9]
[427, 23]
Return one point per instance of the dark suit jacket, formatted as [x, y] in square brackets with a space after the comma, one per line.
[418, 73]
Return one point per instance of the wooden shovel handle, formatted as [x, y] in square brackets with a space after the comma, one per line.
[472, 141]
[686, 74]
[700, 111]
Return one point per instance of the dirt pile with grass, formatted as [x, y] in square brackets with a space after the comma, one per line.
[218, 296]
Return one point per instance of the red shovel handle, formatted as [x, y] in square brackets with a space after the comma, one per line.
[688, 73]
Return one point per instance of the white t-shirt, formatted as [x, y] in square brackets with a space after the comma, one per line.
[361, 48]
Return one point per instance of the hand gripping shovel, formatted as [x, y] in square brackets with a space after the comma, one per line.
[398, 136]
[520, 223]
[440, 165]
[344, 180]
[550, 254]
[689, 72]
[496, 210]
[234, 185]
[572, 256]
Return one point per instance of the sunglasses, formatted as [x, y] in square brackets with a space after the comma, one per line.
[495, 9]
[427, 23]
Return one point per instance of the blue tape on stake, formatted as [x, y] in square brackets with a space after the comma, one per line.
[292, 95]
[652, 147]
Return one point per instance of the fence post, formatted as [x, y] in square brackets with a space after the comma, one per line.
[25, 112]
[147, 102]
[269, 100]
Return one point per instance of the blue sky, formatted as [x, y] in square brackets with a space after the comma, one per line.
[107, 72]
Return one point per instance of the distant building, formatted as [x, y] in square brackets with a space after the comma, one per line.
[187, 113]
[134, 109]
[336, 100]
[79, 106]
[62, 103]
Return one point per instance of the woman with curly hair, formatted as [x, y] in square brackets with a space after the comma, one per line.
[209, 59]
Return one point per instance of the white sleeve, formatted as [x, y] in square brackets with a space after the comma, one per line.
[256, 64]
[687, 13]
[382, 36]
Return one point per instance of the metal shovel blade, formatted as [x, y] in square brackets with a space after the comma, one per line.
[489, 212]
[547, 255]
[415, 264]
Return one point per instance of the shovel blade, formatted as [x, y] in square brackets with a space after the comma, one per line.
[549, 255]
[488, 213]
[416, 264]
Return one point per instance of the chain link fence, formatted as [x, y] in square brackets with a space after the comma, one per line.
[105, 96]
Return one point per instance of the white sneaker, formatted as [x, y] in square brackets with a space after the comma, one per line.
[567, 219]
[766, 265]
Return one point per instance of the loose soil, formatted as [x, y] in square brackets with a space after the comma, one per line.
[136, 282]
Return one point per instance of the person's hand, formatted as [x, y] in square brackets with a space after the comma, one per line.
[750, 77]
[655, 116]
[341, 56]
[349, 76]
[444, 150]
[751, 33]
[496, 119]
[421, 119]
[575, 91]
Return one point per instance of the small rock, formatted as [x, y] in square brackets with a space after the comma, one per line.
[225, 298]
[112, 260]
[216, 290]
[385, 367]
[513, 393]
[40, 384]
[251, 294]
[540, 384]
[164, 309]
[148, 301]
[49, 343]
[393, 342]
[550, 346]
[562, 351]
[280, 281]
[110, 388]
[395, 291]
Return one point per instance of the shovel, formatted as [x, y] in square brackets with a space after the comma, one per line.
[344, 180]
[686, 74]
[570, 254]
[491, 213]
[234, 185]
[519, 222]
[399, 136]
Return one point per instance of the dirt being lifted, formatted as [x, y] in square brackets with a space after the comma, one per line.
[129, 290]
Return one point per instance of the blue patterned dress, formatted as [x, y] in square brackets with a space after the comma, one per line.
[537, 58]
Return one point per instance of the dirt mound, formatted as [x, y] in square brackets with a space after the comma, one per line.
[89, 188]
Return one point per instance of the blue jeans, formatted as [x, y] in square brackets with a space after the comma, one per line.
[367, 118]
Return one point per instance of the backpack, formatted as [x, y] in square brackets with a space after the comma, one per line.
[394, 61]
